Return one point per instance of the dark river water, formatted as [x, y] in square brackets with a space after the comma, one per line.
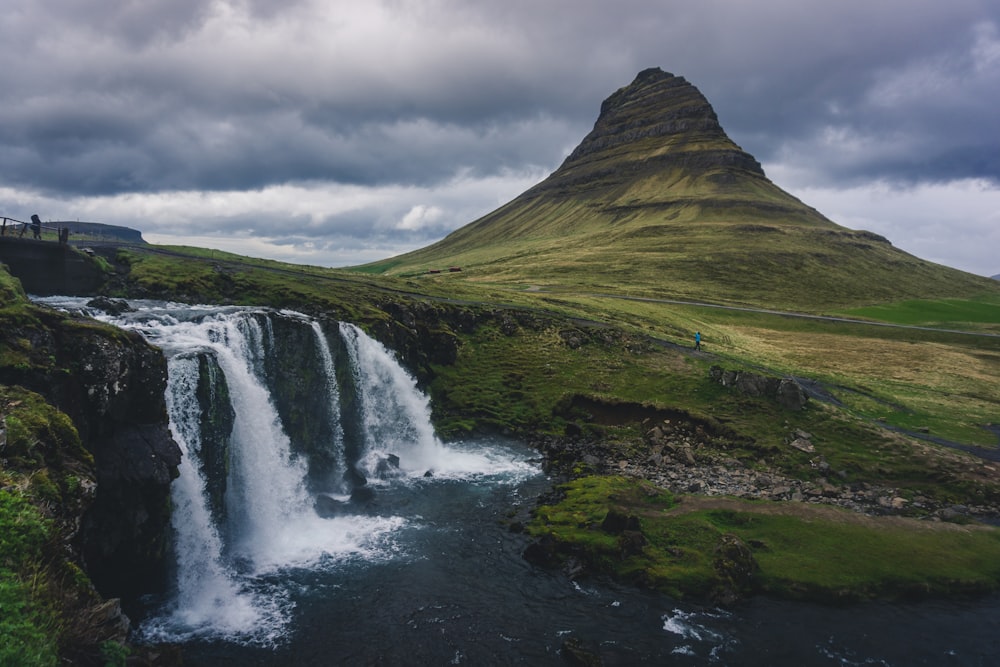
[451, 588]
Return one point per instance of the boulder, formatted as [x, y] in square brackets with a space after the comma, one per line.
[735, 566]
[327, 506]
[791, 395]
[362, 494]
[803, 445]
[387, 466]
[786, 391]
[110, 306]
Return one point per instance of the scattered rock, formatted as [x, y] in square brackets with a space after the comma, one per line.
[110, 306]
[803, 445]
[786, 391]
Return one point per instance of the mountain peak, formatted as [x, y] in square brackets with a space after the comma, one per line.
[659, 121]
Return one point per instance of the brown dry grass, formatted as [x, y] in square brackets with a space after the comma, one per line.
[925, 363]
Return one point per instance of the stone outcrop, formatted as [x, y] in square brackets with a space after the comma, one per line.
[296, 376]
[733, 561]
[111, 384]
[786, 391]
[216, 419]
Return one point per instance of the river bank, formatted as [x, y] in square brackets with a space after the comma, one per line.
[681, 518]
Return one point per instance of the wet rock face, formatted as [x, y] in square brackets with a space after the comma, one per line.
[111, 385]
[116, 400]
[297, 380]
[217, 420]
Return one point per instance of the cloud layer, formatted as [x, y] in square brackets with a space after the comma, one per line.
[341, 132]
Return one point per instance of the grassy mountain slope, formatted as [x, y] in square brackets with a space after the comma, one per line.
[658, 201]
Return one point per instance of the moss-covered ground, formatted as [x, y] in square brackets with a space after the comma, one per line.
[800, 550]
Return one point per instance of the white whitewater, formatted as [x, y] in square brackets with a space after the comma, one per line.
[208, 595]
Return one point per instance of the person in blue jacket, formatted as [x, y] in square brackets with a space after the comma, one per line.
[697, 340]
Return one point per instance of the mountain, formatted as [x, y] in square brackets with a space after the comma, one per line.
[658, 201]
[99, 231]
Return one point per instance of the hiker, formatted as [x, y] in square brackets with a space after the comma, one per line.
[697, 340]
[36, 227]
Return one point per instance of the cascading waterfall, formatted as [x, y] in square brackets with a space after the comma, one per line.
[207, 592]
[271, 523]
[330, 375]
[396, 416]
[267, 497]
[238, 540]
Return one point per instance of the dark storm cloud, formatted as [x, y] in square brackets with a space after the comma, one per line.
[106, 99]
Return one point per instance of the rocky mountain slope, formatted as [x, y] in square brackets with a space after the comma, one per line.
[658, 200]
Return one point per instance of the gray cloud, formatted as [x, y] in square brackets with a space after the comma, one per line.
[105, 102]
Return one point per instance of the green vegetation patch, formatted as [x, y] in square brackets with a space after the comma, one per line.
[46, 481]
[28, 627]
[935, 312]
[836, 554]
[711, 547]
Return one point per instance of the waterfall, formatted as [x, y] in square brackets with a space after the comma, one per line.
[207, 592]
[394, 413]
[254, 504]
[271, 522]
[333, 396]
[267, 493]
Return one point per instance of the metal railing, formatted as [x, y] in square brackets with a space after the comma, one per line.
[35, 225]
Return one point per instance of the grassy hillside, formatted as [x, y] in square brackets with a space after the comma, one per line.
[658, 201]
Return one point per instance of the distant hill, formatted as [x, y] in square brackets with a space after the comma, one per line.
[996, 277]
[99, 231]
[658, 201]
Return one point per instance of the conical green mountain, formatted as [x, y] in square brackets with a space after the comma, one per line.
[658, 201]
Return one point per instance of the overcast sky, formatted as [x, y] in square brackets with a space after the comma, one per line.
[338, 132]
